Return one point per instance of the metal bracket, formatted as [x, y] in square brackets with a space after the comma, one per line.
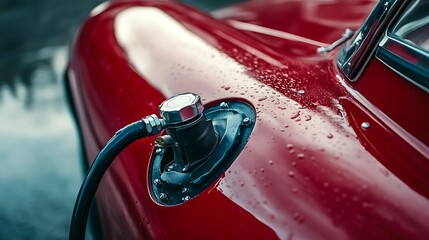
[348, 33]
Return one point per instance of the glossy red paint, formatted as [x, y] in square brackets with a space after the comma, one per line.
[318, 22]
[308, 171]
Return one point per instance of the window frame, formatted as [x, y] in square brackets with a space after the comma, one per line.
[415, 72]
[357, 52]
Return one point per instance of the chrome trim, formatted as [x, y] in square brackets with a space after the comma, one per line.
[392, 42]
[402, 55]
[417, 72]
[355, 54]
[348, 33]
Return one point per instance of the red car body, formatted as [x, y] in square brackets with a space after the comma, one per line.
[309, 170]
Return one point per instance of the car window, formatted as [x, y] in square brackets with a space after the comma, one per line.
[405, 48]
[413, 27]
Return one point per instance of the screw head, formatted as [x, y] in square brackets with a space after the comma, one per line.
[163, 197]
[157, 182]
[159, 141]
[186, 198]
[365, 125]
[223, 105]
[246, 121]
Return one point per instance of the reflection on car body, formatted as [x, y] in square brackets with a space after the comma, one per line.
[339, 146]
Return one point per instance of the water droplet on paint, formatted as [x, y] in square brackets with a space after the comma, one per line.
[295, 115]
[262, 98]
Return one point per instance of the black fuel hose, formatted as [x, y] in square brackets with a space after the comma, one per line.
[144, 128]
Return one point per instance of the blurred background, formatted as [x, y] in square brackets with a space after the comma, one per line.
[40, 171]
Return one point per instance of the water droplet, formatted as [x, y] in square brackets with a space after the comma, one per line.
[307, 118]
[291, 174]
[384, 171]
[330, 136]
[271, 162]
[262, 170]
[300, 155]
[295, 115]
[298, 217]
[289, 146]
[326, 184]
[367, 205]
[262, 98]
[227, 87]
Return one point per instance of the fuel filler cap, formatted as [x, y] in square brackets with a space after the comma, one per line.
[181, 108]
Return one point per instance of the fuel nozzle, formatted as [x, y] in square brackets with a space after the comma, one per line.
[190, 134]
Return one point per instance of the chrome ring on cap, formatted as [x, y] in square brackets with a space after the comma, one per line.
[181, 108]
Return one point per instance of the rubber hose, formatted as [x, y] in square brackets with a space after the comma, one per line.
[101, 163]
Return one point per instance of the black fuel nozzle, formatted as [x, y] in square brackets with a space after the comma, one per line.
[190, 134]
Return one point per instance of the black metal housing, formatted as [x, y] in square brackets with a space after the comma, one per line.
[170, 184]
[195, 141]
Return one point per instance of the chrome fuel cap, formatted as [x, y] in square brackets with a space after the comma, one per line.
[181, 108]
